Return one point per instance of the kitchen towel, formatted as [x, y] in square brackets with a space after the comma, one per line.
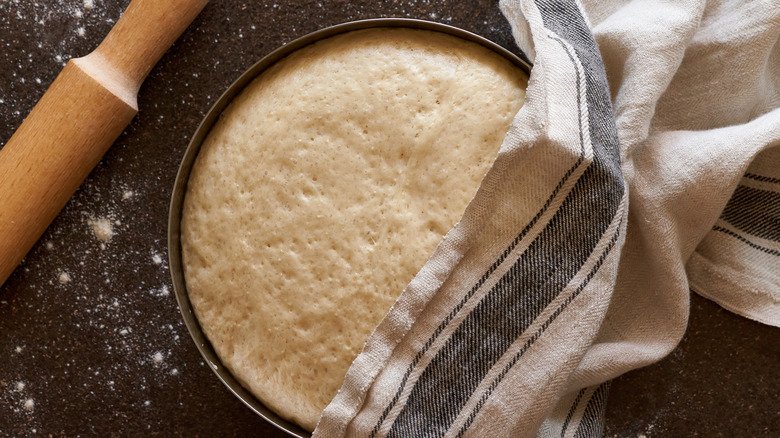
[644, 164]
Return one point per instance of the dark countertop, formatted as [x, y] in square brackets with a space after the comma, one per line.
[92, 340]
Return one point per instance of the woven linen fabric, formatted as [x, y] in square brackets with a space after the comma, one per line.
[644, 163]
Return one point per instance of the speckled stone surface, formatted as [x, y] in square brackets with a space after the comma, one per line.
[91, 340]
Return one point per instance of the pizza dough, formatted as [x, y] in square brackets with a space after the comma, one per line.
[323, 189]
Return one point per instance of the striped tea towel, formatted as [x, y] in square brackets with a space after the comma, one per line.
[645, 163]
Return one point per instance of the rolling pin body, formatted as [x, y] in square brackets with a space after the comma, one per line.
[76, 121]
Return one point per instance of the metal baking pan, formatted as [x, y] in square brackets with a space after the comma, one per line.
[180, 186]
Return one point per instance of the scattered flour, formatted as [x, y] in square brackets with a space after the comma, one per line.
[127, 195]
[20, 386]
[158, 357]
[161, 292]
[29, 404]
[101, 228]
[81, 31]
[89, 4]
[18, 349]
[156, 259]
[64, 277]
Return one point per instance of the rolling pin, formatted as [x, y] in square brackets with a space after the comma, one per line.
[78, 118]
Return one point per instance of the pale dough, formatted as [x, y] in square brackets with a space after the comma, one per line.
[324, 188]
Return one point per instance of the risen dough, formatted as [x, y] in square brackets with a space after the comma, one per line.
[321, 192]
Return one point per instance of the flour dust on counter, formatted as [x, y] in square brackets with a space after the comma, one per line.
[104, 343]
[102, 229]
[64, 277]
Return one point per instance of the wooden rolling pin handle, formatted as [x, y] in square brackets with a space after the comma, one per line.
[78, 118]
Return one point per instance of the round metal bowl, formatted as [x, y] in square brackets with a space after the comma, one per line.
[180, 187]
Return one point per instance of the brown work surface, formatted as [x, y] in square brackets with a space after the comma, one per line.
[92, 342]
